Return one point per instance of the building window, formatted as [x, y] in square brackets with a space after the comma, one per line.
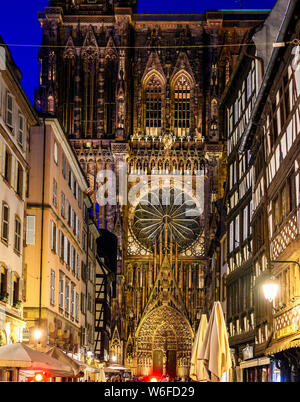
[9, 111]
[72, 257]
[18, 235]
[79, 197]
[55, 152]
[64, 165]
[182, 95]
[30, 229]
[68, 212]
[77, 307]
[61, 245]
[153, 96]
[78, 230]
[21, 128]
[53, 237]
[237, 232]
[16, 290]
[54, 197]
[83, 303]
[5, 223]
[284, 202]
[245, 223]
[20, 175]
[61, 291]
[52, 288]
[7, 166]
[67, 296]
[231, 236]
[77, 267]
[63, 203]
[66, 252]
[3, 283]
[72, 301]
[89, 303]
[110, 97]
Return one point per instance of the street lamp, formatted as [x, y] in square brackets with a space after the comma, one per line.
[37, 334]
[270, 288]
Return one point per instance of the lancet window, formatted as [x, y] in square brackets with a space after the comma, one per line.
[182, 96]
[110, 96]
[153, 115]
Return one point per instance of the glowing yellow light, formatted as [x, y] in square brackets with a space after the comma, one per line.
[37, 334]
[153, 379]
[270, 288]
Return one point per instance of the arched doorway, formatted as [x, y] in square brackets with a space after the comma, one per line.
[164, 340]
[164, 350]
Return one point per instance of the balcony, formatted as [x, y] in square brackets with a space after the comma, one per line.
[284, 235]
[287, 322]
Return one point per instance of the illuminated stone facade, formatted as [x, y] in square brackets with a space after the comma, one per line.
[139, 94]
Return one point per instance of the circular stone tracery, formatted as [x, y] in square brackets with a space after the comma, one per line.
[167, 215]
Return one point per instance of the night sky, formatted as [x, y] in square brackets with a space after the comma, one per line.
[19, 26]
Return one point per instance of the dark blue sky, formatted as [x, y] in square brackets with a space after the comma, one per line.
[19, 26]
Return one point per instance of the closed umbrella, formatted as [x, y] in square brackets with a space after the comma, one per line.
[197, 369]
[102, 377]
[215, 351]
[18, 355]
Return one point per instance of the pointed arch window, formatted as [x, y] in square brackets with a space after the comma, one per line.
[153, 94]
[182, 96]
[110, 96]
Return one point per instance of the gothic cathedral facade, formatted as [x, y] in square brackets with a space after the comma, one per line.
[138, 97]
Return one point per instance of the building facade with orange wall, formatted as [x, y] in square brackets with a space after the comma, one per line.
[56, 240]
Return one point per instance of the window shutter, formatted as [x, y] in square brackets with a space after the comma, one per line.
[24, 183]
[30, 229]
[2, 156]
[60, 244]
[72, 218]
[16, 174]
[13, 173]
[71, 257]
[56, 238]
[67, 211]
[21, 285]
[65, 250]
[51, 236]
[10, 286]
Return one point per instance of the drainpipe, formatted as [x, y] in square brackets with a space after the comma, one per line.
[87, 269]
[42, 224]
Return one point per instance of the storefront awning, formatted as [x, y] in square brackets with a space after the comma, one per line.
[292, 341]
[261, 361]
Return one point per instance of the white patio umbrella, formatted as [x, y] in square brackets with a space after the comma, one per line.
[102, 377]
[215, 351]
[20, 356]
[75, 365]
[197, 369]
